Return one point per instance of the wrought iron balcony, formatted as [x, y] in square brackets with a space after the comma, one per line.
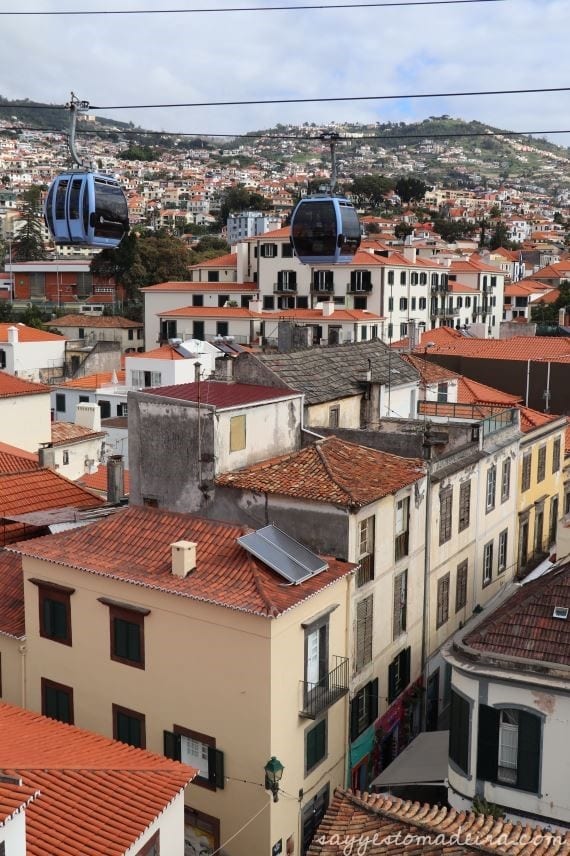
[444, 312]
[324, 693]
[359, 287]
[285, 287]
[322, 288]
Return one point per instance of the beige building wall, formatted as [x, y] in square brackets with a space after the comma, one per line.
[12, 669]
[245, 435]
[25, 421]
[349, 412]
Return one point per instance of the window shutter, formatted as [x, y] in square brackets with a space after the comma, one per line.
[459, 731]
[292, 277]
[353, 278]
[488, 743]
[405, 670]
[280, 279]
[172, 745]
[391, 682]
[354, 718]
[255, 252]
[216, 768]
[373, 700]
[366, 278]
[528, 759]
[329, 280]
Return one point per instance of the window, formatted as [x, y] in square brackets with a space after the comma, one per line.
[122, 410]
[198, 330]
[287, 280]
[467, 302]
[413, 304]
[55, 611]
[334, 416]
[60, 402]
[526, 471]
[556, 455]
[286, 251]
[442, 393]
[197, 300]
[364, 709]
[423, 278]
[57, 701]
[213, 276]
[487, 563]
[553, 519]
[268, 301]
[464, 505]
[541, 467]
[222, 300]
[399, 674]
[360, 280]
[65, 457]
[459, 302]
[127, 634]
[199, 751]
[403, 303]
[414, 278]
[503, 542]
[237, 433]
[422, 303]
[315, 745]
[505, 479]
[400, 604]
[442, 601]
[105, 406]
[445, 514]
[390, 277]
[129, 726]
[402, 528]
[509, 747]
[402, 277]
[222, 328]
[268, 251]
[152, 846]
[461, 586]
[459, 721]
[83, 399]
[364, 614]
[323, 280]
[390, 331]
[2, 358]
[491, 486]
[390, 304]
[566, 499]
[366, 551]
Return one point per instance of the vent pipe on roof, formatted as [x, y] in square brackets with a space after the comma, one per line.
[46, 456]
[115, 479]
[13, 335]
[183, 558]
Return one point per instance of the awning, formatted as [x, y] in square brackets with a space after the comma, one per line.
[423, 762]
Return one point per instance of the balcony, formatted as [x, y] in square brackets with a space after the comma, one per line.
[321, 695]
[359, 287]
[285, 288]
[444, 312]
[322, 288]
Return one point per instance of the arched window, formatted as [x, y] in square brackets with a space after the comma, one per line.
[459, 302]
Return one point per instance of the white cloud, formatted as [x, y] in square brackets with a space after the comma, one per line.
[162, 59]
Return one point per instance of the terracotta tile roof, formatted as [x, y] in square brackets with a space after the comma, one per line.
[218, 394]
[165, 352]
[332, 471]
[14, 798]
[284, 232]
[428, 371]
[28, 334]
[134, 545]
[94, 381]
[537, 348]
[226, 261]
[354, 315]
[550, 297]
[98, 480]
[63, 433]
[461, 288]
[441, 335]
[523, 628]
[97, 796]
[38, 490]
[13, 460]
[12, 601]
[99, 321]
[383, 824]
[10, 385]
[472, 392]
[222, 287]
[534, 418]
[525, 289]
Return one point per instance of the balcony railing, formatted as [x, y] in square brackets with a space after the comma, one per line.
[324, 693]
[444, 312]
[359, 287]
[285, 287]
[324, 288]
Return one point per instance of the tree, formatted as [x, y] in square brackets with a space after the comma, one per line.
[411, 189]
[499, 237]
[370, 191]
[402, 230]
[547, 313]
[236, 199]
[29, 244]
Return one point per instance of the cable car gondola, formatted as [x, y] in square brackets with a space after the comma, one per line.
[325, 228]
[85, 208]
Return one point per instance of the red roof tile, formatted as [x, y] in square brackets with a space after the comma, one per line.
[383, 824]
[95, 381]
[226, 261]
[537, 348]
[534, 418]
[10, 385]
[12, 601]
[212, 393]
[223, 287]
[99, 321]
[165, 352]
[333, 471]
[355, 315]
[428, 371]
[28, 334]
[472, 392]
[97, 796]
[14, 798]
[13, 460]
[63, 433]
[98, 480]
[134, 545]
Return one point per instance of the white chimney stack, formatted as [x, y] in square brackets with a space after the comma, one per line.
[255, 305]
[327, 308]
[88, 416]
[13, 335]
[410, 252]
[183, 558]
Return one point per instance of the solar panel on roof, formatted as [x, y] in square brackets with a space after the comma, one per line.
[283, 554]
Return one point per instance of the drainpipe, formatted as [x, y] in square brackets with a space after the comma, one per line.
[527, 382]
[547, 393]
[426, 604]
[22, 651]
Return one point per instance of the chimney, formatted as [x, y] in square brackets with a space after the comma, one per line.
[115, 479]
[410, 252]
[88, 416]
[561, 316]
[13, 335]
[197, 368]
[183, 558]
[412, 335]
[46, 456]
[255, 305]
[327, 308]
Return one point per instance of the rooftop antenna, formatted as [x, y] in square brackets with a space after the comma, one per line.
[75, 106]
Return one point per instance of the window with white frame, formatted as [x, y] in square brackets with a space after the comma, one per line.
[366, 551]
[194, 753]
[508, 746]
[487, 563]
[505, 479]
[402, 527]
[400, 603]
[503, 542]
[491, 488]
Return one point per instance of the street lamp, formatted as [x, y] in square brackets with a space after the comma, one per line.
[273, 772]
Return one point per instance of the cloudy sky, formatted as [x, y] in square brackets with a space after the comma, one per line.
[118, 60]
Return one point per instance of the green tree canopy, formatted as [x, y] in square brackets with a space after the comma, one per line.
[29, 244]
[402, 230]
[410, 189]
[369, 191]
[236, 199]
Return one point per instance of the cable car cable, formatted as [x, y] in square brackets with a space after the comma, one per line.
[325, 6]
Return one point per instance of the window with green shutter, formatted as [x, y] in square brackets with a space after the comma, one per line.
[459, 727]
[129, 726]
[364, 709]
[315, 745]
[364, 610]
[509, 747]
[54, 611]
[127, 632]
[399, 674]
[57, 701]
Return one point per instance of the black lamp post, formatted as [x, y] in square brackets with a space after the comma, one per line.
[273, 772]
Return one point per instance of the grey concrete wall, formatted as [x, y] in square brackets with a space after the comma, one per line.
[322, 527]
[163, 452]
[248, 369]
[105, 357]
